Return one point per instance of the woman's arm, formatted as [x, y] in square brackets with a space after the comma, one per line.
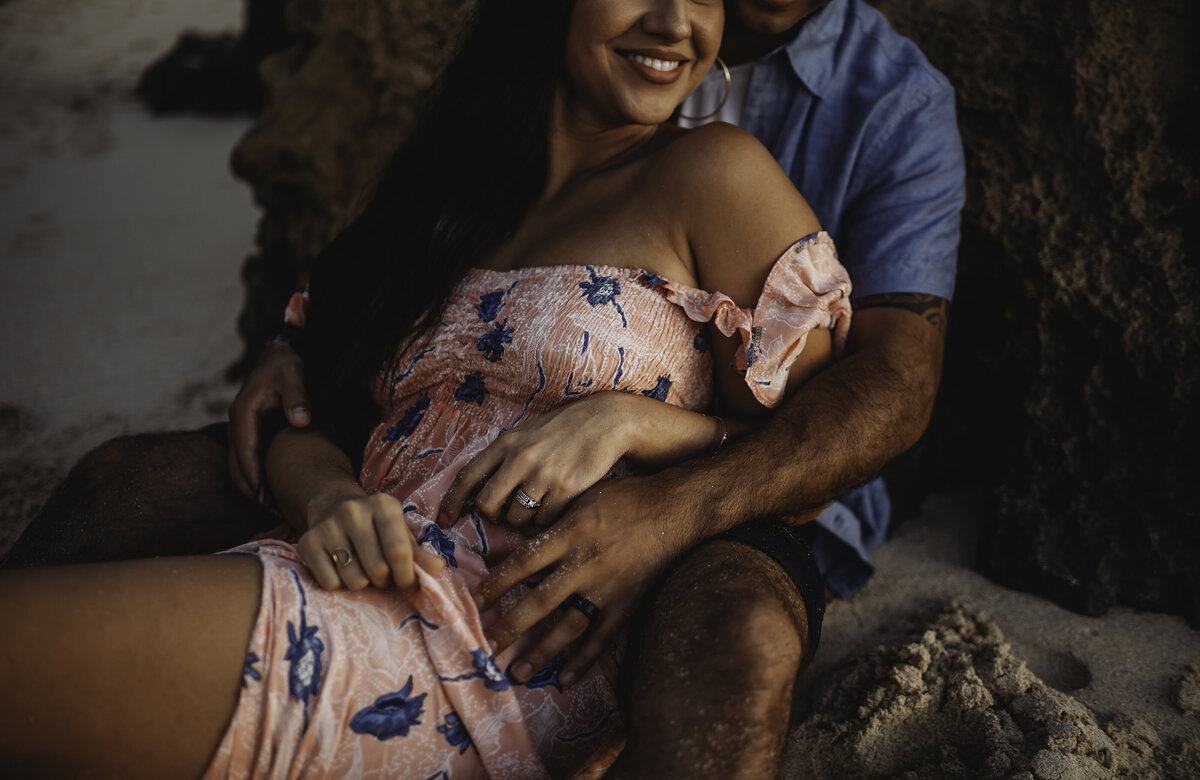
[742, 214]
[553, 458]
[305, 468]
[351, 539]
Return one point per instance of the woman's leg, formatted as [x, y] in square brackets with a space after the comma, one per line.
[125, 669]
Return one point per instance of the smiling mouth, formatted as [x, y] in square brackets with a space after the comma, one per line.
[662, 66]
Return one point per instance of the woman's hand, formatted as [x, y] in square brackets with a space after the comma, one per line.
[554, 458]
[354, 540]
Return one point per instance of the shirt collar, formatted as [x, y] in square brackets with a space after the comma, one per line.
[811, 52]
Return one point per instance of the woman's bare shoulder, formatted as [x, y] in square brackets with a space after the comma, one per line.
[741, 211]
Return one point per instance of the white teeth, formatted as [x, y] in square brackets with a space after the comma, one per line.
[663, 66]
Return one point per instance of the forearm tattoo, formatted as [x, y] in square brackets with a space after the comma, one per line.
[931, 307]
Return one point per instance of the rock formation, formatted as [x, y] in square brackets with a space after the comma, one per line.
[341, 100]
[217, 74]
[1073, 370]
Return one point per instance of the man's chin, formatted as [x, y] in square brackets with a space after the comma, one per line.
[775, 17]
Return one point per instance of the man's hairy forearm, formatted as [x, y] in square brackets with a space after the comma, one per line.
[837, 431]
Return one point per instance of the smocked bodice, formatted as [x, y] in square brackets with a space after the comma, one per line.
[515, 344]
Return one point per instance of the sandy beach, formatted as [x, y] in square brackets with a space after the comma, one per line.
[122, 236]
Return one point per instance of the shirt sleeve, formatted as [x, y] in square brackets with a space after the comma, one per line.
[901, 233]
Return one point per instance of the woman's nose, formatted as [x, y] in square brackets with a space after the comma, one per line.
[668, 19]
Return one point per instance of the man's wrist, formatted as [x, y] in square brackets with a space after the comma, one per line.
[686, 494]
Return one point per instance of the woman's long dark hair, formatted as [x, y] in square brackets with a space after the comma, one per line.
[457, 190]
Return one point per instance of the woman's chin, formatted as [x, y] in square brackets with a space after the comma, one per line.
[646, 112]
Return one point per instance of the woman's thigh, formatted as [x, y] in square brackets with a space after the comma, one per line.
[123, 669]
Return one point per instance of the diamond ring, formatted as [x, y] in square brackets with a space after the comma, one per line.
[525, 500]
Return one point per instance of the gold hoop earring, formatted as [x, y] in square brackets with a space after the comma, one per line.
[724, 100]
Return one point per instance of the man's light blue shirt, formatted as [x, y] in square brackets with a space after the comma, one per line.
[865, 128]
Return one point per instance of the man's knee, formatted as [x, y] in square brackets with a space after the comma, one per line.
[744, 605]
[148, 460]
[112, 463]
[140, 496]
[713, 659]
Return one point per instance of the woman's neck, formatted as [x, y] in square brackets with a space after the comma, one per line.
[581, 144]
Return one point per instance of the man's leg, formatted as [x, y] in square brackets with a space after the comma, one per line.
[712, 663]
[142, 496]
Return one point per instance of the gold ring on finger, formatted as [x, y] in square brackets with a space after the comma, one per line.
[341, 556]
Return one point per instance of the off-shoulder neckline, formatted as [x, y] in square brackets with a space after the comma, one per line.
[625, 270]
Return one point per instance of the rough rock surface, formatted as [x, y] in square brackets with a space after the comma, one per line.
[1188, 695]
[341, 100]
[956, 703]
[1073, 375]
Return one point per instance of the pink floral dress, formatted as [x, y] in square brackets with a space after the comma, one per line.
[384, 683]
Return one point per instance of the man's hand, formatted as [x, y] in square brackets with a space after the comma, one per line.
[611, 546]
[277, 382]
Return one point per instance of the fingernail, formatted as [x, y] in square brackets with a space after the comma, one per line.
[567, 678]
[494, 645]
[522, 671]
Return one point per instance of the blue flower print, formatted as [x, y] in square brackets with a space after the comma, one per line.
[486, 669]
[660, 390]
[248, 669]
[651, 280]
[577, 387]
[755, 346]
[489, 305]
[620, 367]
[491, 344]
[601, 290]
[400, 377]
[471, 390]
[409, 422]
[416, 617]
[548, 674]
[468, 510]
[442, 545]
[700, 343]
[304, 651]
[392, 715]
[455, 733]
